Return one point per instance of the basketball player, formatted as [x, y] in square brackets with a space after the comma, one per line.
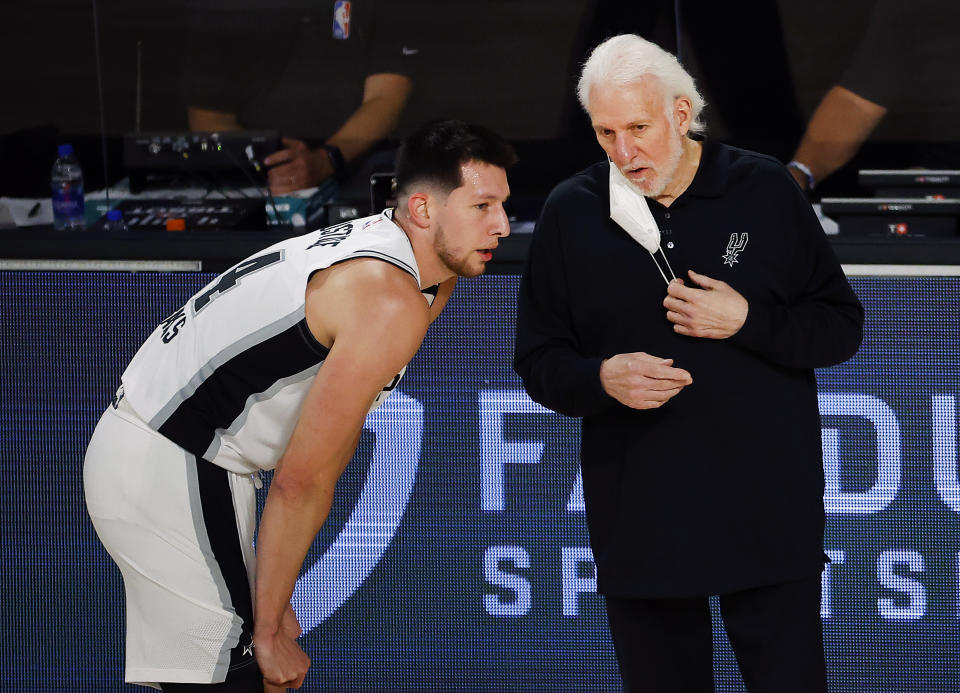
[274, 365]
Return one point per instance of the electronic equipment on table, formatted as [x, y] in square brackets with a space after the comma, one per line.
[924, 183]
[226, 157]
[195, 215]
[912, 203]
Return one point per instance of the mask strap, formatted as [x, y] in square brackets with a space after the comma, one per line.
[654, 257]
[667, 261]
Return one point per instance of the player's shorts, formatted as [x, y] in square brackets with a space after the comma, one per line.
[181, 531]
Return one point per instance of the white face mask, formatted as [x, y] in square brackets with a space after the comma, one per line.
[628, 207]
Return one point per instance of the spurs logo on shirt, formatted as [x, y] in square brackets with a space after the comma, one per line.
[735, 246]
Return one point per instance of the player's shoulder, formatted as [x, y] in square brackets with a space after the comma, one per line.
[371, 285]
[366, 298]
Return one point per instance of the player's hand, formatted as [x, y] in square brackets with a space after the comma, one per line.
[715, 310]
[296, 166]
[642, 381]
[282, 662]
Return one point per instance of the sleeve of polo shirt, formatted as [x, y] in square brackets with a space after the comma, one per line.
[880, 69]
[546, 356]
[221, 70]
[820, 323]
[394, 40]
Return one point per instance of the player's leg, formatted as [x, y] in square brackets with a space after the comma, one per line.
[777, 636]
[180, 530]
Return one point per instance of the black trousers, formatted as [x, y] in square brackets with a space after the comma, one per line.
[666, 645]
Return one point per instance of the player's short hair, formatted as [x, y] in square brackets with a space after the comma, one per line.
[627, 58]
[434, 153]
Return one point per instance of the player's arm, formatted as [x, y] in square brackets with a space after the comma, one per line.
[374, 317]
[443, 295]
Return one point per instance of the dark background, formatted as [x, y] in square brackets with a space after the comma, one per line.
[510, 64]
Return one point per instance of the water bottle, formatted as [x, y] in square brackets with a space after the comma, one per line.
[114, 221]
[66, 184]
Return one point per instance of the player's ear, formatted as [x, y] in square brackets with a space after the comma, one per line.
[418, 207]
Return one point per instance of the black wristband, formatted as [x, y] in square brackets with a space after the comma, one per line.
[336, 158]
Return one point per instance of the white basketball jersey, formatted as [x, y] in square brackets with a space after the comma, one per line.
[225, 376]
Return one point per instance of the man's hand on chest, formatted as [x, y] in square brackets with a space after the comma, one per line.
[712, 309]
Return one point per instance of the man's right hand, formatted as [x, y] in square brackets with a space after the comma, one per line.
[282, 662]
[296, 167]
[642, 381]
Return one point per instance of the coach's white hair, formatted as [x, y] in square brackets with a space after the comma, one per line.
[625, 59]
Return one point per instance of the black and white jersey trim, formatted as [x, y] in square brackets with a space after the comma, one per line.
[211, 554]
[237, 347]
[383, 256]
[253, 399]
[222, 394]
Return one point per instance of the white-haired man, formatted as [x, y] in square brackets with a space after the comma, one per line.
[701, 448]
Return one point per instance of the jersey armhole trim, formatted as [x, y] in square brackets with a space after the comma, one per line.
[312, 342]
[376, 255]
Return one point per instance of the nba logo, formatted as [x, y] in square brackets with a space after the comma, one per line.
[341, 19]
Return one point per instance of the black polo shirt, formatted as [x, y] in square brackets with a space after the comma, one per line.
[721, 488]
[289, 66]
[906, 61]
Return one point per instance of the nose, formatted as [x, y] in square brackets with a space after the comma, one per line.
[623, 149]
[502, 228]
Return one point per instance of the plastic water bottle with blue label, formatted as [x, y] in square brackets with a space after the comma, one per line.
[66, 183]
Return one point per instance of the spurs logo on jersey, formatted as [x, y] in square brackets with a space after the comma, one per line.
[735, 246]
[226, 380]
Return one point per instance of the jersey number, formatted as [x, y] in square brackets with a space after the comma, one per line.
[232, 277]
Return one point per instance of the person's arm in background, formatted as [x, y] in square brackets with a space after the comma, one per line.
[297, 166]
[878, 78]
[837, 129]
[208, 120]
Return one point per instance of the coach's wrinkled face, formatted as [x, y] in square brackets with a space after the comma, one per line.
[640, 131]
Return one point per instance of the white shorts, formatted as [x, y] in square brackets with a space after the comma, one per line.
[181, 531]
